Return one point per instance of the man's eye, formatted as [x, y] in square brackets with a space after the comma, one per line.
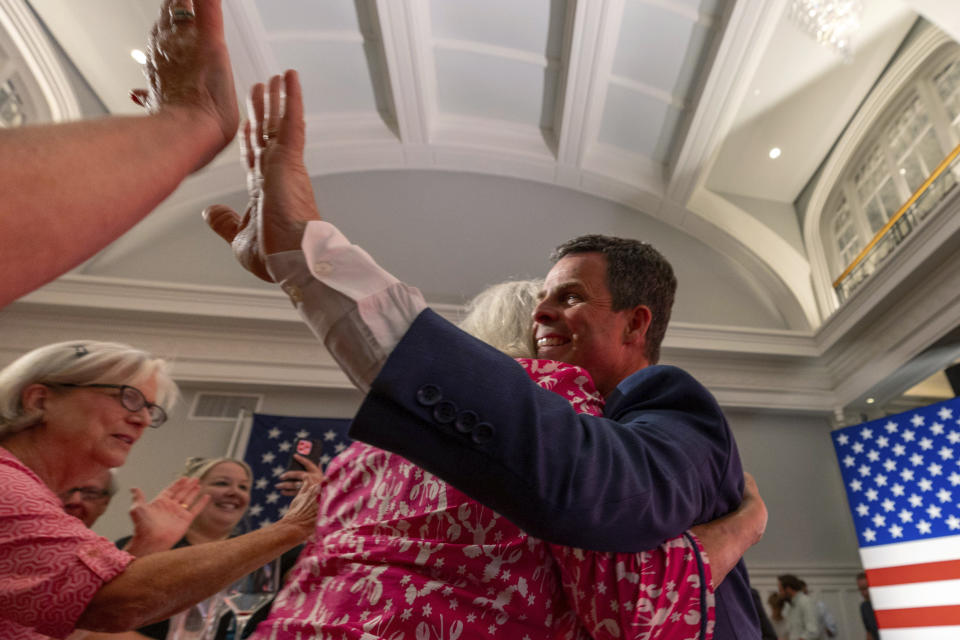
[572, 298]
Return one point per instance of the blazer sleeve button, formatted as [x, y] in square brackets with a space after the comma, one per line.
[429, 395]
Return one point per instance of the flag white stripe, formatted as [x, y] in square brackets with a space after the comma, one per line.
[915, 552]
[921, 633]
[922, 594]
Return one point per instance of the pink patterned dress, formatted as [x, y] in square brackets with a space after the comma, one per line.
[51, 565]
[400, 555]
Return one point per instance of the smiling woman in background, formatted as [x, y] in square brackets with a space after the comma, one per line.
[68, 411]
[227, 482]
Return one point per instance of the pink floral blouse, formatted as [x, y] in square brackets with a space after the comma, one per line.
[51, 565]
[400, 555]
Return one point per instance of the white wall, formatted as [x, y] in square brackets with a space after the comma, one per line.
[810, 532]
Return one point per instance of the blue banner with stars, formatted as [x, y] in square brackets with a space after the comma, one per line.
[271, 443]
[902, 474]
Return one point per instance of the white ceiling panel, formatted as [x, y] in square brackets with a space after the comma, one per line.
[638, 123]
[656, 44]
[493, 87]
[532, 25]
[335, 75]
[295, 15]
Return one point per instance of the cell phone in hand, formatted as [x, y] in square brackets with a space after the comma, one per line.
[311, 449]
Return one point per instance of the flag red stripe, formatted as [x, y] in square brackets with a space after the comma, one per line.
[923, 572]
[918, 617]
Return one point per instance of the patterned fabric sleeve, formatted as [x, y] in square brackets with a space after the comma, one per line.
[51, 565]
[664, 593]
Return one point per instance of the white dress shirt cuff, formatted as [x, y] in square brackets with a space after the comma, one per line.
[359, 311]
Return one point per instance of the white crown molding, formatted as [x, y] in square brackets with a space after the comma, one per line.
[790, 266]
[34, 47]
[404, 29]
[900, 72]
[584, 55]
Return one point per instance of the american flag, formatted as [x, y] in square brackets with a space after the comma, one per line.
[270, 445]
[902, 477]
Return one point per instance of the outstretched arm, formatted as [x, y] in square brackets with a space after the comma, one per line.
[70, 189]
[726, 539]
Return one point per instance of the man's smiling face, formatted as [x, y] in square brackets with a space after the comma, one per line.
[575, 322]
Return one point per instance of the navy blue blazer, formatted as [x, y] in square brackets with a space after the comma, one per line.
[661, 460]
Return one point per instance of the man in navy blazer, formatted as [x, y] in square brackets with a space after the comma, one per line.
[660, 460]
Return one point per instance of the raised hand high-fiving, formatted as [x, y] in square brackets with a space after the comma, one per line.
[281, 196]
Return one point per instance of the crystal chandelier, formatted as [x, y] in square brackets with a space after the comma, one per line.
[832, 23]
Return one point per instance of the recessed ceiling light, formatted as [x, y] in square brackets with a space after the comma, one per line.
[870, 400]
[774, 153]
[139, 56]
[903, 172]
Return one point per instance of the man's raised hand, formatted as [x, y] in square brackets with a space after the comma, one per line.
[281, 196]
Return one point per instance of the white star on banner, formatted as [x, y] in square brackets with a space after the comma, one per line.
[955, 479]
[923, 526]
[848, 461]
[896, 531]
[272, 497]
[915, 501]
[897, 490]
[883, 441]
[863, 510]
[330, 435]
[945, 413]
[926, 444]
[843, 439]
[933, 511]
[864, 470]
[953, 522]
[925, 484]
[261, 483]
[935, 469]
[268, 457]
[872, 495]
[917, 420]
[936, 428]
[905, 516]
[274, 433]
[870, 535]
[276, 471]
[285, 446]
[888, 505]
[907, 435]
[899, 449]
[945, 453]
[891, 426]
[857, 448]
[255, 510]
[866, 434]
[303, 433]
[889, 465]
[944, 496]
[873, 456]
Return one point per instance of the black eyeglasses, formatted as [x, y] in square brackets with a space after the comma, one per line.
[87, 494]
[131, 398]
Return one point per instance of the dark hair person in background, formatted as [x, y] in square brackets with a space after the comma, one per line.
[91, 499]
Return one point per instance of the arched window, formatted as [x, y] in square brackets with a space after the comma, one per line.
[902, 149]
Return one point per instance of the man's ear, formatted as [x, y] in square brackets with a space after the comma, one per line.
[639, 319]
[33, 398]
